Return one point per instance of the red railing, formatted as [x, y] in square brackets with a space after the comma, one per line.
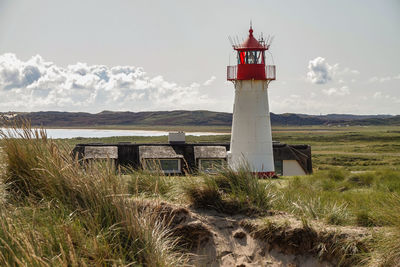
[270, 72]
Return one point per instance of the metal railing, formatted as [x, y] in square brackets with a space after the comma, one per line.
[231, 73]
[270, 72]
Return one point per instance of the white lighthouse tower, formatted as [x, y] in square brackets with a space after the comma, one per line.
[251, 139]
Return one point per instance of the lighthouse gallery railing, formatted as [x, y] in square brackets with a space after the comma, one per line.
[270, 72]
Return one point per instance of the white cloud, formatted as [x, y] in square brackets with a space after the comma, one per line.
[39, 85]
[373, 79]
[387, 97]
[342, 91]
[377, 94]
[384, 78]
[319, 71]
[347, 71]
[209, 81]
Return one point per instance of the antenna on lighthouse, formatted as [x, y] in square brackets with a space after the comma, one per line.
[270, 41]
[237, 40]
[230, 40]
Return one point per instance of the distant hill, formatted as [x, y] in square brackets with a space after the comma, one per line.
[189, 118]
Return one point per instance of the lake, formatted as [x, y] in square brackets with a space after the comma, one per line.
[88, 133]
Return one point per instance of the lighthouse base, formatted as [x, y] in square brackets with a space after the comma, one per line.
[251, 139]
[264, 174]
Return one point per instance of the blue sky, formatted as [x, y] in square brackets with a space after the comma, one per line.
[331, 56]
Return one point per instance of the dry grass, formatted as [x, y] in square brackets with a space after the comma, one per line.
[84, 214]
[230, 192]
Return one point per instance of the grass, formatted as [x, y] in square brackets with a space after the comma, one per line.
[302, 238]
[354, 148]
[146, 139]
[230, 192]
[58, 211]
[339, 196]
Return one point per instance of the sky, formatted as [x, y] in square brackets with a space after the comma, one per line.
[334, 56]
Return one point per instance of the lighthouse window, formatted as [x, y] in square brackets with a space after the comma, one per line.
[250, 57]
[241, 57]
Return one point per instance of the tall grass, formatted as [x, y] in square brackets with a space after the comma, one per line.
[231, 192]
[99, 223]
[150, 183]
[387, 245]
[340, 197]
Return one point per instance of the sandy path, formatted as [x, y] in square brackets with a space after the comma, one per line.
[231, 245]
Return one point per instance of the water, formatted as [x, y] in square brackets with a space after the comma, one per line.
[89, 133]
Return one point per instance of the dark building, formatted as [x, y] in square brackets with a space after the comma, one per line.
[180, 157]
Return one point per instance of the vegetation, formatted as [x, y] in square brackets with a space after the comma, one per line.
[198, 118]
[340, 197]
[230, 192]
[58, 211]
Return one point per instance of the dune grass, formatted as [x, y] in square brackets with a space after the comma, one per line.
[230, 192]
[339, 196]
[56, 210]
[59, 211]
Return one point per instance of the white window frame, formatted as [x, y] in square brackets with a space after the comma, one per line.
[144, 165]
[200, 166]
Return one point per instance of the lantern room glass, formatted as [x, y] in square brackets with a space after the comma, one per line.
[250, 57]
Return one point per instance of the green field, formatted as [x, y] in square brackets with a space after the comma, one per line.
[353, 148]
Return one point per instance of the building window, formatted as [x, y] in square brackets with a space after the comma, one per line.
[211, 165]
[164, 165]
[278, 167]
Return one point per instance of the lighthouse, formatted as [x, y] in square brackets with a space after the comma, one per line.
[251, 138]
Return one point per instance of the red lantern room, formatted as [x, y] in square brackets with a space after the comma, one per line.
[251, 63]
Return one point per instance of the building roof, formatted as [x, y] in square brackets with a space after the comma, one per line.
[209, 152]
[101, 152]
[158, 152]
